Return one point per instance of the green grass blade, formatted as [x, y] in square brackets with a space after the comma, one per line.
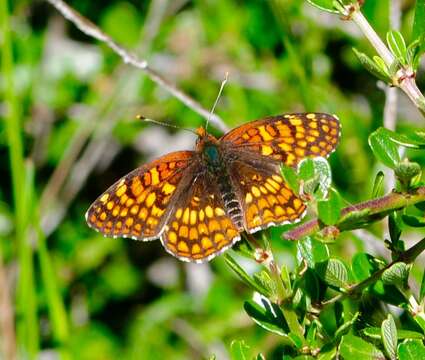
[27, 329]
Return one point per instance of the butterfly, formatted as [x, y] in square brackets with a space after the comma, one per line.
[199, 202]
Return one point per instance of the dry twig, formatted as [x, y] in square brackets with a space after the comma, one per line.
[90, 29]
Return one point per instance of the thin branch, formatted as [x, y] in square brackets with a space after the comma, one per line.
[361, 214]
[407, 257]
[90, 29]
[405, 77]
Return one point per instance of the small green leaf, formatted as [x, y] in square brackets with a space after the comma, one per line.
[418, 31]
[378, 185]
[333, 272]
[397, 274]
[394, 227]
[323, 175]
[355, 348]
[306, 169]
[291, 178]
[345, 327]
[408, 141]
[239, 350]
[375, 333]
[264, 280]
[312, 251]
[363, 266]
[413, 221]
[389, 337]
[244, 276]
[268, 315]
[384, 149]
[326, 5]
[414, 53]
[397, 46]
[411, 350]
[375, 67]
[330, 209]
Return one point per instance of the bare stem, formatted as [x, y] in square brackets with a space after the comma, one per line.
[355, 216]
[90, 29]
[405, 77]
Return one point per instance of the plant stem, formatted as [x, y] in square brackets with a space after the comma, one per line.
[407, 257]
[405, 77]
[355, 216]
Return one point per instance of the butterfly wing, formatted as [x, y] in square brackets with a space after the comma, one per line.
[287, 138]
[137, 205]
[265, 198]
[199, 229]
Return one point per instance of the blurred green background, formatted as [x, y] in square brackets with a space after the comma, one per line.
[77, 104]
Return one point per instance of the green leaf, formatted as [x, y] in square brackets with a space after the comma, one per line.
[384, 149]
[378, 185]
[418, 31]
[312, 251]
[268, 315]
[306, 169]
[323, 175]
[375, 67]
[244, 276]
[264, 280]
[239, 350]
[355, 348]
[397, 46]
[330, 209]
[326, 5]
[333, 272]
[402, 139]
[413, 221]
[375, 333]
[291, 178]
[389, 337]
[394, 227]
[397, 274]
[363, 266]
[411, 350]
[345, 328]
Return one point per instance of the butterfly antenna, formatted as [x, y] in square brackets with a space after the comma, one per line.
[226, 76]
[141, 117]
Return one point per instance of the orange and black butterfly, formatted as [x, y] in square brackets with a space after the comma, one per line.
[198, 202]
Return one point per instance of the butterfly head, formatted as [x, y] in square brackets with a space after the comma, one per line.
[204, 138]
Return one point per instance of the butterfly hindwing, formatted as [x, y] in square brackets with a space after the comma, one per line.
[265, 198]
[137, 204]
[199, 228]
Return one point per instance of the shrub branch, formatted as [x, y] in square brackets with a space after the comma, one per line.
[360, 215]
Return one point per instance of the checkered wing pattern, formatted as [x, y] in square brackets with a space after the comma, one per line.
[265, 198]
[136, 206]
[288, 138]
[199, 228]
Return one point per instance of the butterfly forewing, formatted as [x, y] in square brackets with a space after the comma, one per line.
[288, 138]
[199, 228]
[136, 205]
